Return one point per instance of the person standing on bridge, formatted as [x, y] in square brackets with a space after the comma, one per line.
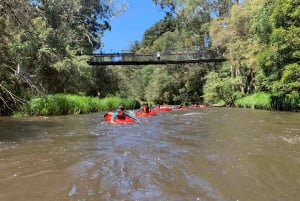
[157, 55]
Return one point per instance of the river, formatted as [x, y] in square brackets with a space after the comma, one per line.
[212, 154]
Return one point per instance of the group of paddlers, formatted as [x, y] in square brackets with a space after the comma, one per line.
[121, 114]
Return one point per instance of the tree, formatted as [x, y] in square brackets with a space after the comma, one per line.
[158, 29]
[42, 46]
[14, 83]
[280, 55]
[160, 88]
[232, 36]
[190, 18]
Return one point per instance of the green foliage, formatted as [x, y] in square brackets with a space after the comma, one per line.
[41, 47]
[160, 88]
[290, 79]
[169, 84]
[267, 101]
[286, 102]
[260, 23]
[13, 86]
[43, 43]
[280, 53]
[57, 105]
[185, 25]
[233, 36]
[261, 40]
[258, 100]
[113, 102]
[158, 29]
[213, 83]
[61, 104]
[220, 87]
[104, 81]
[285, 14]
[166, 42]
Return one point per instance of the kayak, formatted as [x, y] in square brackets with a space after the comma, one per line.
[144, 114]
[182, 108]
[162, 109]
[198, 106]
[127, 120]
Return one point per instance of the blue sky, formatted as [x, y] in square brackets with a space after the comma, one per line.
[130, 26]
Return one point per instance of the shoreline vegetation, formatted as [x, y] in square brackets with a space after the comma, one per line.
[44, 57]
[68, 104]
[266, 101]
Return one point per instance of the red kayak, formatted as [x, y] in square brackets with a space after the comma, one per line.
[163, 109]
[127, 120]
[144, 114]
[182, 108]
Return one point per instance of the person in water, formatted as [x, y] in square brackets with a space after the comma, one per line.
[121, 114]
[145, 108]
[156, 107]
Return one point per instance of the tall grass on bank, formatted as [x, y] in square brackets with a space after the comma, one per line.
[267, 101]
[64, 104]
[255, 101]
[290, 102]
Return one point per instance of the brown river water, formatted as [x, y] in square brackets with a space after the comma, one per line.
[212, 154]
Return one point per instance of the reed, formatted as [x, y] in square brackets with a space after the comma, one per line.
[286, 102]
[281, 102]
[258, 100]
[64, 104]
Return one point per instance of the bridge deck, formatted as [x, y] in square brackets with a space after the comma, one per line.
[130, 58]
[155, 62]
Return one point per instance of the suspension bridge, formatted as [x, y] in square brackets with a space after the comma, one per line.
[156, 58]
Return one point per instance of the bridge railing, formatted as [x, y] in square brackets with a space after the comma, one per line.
[153, 56]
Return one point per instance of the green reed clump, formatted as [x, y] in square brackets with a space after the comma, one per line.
[286, 102]
[64, 104]
[282, 102]
[258, 100]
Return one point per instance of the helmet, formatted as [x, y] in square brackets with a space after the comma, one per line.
[120, 108]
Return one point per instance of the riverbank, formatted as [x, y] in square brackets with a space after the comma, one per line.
[68, 104]
[268, 101]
